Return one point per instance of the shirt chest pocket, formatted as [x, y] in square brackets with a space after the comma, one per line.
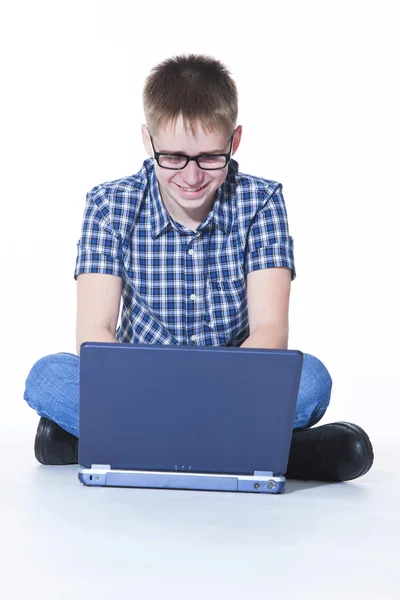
[226, 307]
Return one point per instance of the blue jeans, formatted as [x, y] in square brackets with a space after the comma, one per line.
[52, 389]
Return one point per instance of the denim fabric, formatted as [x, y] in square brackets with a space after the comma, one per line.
[52, 389]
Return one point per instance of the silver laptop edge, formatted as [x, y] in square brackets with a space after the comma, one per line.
[260, 482]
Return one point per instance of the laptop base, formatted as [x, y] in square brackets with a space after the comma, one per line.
[262, 482]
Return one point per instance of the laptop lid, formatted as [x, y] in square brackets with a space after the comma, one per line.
[182, 408]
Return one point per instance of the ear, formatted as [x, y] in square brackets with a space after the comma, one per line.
[236, 139]
[146, 140]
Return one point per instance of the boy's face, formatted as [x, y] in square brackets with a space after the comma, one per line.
[180, 189]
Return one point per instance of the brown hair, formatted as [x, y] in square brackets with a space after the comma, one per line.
[198, 87]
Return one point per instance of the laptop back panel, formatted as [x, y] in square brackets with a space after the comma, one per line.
[191, 409]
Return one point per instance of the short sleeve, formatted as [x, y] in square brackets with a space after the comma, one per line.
[99, 245]
[269, 243]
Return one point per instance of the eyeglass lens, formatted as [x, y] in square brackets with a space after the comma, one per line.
[205, 162]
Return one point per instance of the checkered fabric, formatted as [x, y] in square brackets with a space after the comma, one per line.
[181, 286]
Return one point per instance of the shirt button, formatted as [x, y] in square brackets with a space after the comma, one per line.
[194, 338]
[191, 251]
[193, 296]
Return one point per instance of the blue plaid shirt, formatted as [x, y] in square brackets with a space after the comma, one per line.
[181, 286]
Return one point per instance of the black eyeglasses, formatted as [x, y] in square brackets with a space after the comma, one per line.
[177, 162]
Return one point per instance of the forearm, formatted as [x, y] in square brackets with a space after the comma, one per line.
[268, 336]
[93, 334]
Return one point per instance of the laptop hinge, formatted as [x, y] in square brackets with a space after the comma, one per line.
[263, 474]
[102, 467]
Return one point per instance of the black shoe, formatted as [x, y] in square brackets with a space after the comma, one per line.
[54, 445]
[335, 452]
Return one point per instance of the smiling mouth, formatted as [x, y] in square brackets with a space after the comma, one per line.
[192, 189]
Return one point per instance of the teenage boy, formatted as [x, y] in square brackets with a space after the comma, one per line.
[200, 253]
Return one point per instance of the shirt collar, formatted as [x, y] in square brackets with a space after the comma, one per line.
[224, 208]
[222, 212]
[160, 218]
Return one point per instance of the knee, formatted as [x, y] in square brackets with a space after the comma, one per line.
[317, 382]
[45, 374]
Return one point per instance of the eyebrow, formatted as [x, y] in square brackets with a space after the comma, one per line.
[200, 153]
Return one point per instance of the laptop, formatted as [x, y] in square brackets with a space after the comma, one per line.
[186, 417]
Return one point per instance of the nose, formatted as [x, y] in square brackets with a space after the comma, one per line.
[192, 175]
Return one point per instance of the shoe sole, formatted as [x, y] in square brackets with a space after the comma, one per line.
[367, 446]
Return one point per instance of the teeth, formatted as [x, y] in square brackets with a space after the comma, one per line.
[192, 189]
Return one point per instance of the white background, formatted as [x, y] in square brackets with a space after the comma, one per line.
[319, 104]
